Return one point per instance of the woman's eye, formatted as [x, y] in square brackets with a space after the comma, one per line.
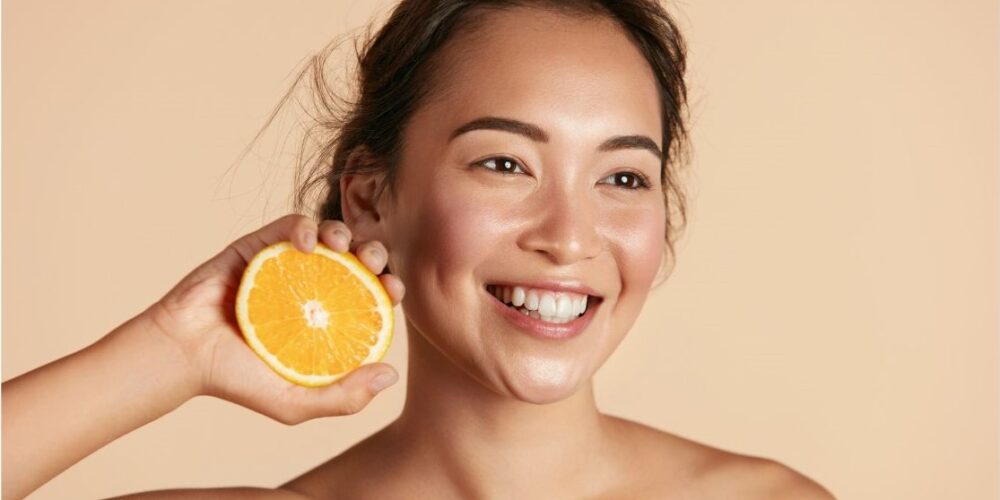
[628, 180]
[502, 164]
[509, 166]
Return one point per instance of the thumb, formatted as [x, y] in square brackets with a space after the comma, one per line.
[352, 393]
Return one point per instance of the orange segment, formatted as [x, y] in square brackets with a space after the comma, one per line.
[313, 317]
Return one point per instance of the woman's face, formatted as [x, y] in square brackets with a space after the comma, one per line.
[459, 225]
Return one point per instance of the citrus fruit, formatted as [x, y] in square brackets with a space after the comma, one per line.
[313, 317]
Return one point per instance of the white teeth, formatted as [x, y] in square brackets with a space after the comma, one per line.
[556, 319]
[565, 306]
[531, 300]
[547, 305]
[517, 296]
[552, 307]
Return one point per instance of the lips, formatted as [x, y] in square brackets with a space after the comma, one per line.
[544, 326]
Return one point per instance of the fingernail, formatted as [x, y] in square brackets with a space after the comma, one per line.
[310, 239]
[382, 381]
[342, 238]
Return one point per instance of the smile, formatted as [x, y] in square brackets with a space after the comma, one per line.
[544, 313]
[546, 305]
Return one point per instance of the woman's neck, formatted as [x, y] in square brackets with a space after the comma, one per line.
[489, 442]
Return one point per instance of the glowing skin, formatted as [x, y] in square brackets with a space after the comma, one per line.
[459, 227]
[489, 406]
[453, 227]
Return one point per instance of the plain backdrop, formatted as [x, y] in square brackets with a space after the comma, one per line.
[834, 305]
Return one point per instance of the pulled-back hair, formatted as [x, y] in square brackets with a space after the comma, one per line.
[396, 71]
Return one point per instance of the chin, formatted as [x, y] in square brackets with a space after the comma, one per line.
[542, 381]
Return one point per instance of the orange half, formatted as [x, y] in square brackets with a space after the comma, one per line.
[313, 317]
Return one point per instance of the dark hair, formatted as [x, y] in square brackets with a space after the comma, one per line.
[395, 75]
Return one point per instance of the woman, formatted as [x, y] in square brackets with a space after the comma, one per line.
[497, 149]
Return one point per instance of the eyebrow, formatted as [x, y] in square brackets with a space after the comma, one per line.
[535, 133]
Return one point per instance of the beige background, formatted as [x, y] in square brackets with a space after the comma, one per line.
[835, 303]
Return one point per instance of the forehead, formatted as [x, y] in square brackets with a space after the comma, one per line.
[573, 76]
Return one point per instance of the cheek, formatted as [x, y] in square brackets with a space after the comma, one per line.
[639, 243]
[442, 235]
[457, 231]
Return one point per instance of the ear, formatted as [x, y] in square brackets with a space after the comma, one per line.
[357, 198]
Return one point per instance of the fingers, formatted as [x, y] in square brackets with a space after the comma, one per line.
[335, 234]
[373, 254]
[304, 233]
[348, 395]
[299, 229]
[394, 286]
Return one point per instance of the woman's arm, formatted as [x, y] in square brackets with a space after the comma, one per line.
[186, 344]
[57, 414]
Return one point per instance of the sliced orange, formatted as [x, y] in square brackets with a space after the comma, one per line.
[313, 317]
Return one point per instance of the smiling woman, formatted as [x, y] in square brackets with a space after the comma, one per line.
[515, 164]
[543, 219]
[531, 155]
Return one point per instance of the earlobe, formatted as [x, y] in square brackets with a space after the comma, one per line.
[360, 208]
[358, 193]
[357, 198]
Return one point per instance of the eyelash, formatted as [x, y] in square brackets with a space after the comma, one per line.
[640, 180]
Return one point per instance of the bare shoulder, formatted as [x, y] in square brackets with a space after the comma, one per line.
[338, 475]
[758, 477]
[235, 493]
[689, 469]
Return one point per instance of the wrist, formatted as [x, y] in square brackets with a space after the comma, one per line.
[172, 368]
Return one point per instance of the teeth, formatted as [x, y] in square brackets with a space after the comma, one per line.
[531, 300]
[547, 305]
[542, 304]
[564, 306]
[518, 296]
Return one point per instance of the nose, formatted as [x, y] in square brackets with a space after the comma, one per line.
[564, 229]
